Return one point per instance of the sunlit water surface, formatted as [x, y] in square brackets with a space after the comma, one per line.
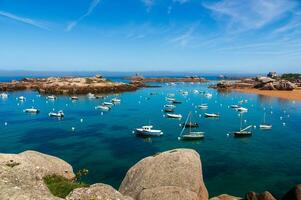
[103, 142]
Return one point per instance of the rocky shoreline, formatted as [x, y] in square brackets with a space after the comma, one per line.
[270, 82]
[70, 85]
[192, 79]
[171, 175]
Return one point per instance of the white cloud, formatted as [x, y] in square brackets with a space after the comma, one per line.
[91, 8]
[23, 20]
[149, 4]
[181, 1]
[185, 38]
[250, 14]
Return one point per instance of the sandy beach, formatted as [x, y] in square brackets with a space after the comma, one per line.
[289, 95]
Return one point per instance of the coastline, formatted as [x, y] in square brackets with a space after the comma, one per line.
[288, 95]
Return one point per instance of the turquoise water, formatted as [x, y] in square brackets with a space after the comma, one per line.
[104, 142]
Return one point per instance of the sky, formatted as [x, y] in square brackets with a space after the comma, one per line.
[151, 35]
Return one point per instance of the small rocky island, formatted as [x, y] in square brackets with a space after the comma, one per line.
[70, 85]
[171, 175]
[193, 79]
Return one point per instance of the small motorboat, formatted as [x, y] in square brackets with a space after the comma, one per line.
[4, 95]
[91, 96]
[107, 103]
[176, 102]
[212, 115]
[185, 93]
[176, 116]
[31, 110]
[242, 109]
[234, 106]
[208, 95]
[196, 91]
[170, 99]
[51, 97]
[170, 106]
[104, 108]
[169, 110]
[115, 100]
[74, 98]
[203, 106]
[147, 131]
[22, 98]
[59, 114]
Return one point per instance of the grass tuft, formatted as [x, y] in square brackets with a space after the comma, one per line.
[60, 186]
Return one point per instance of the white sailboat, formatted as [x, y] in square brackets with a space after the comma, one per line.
[243, 132]
[242, 109]
[51, 97]
[191, 135]
[115, 100]
[3, 95]
[203, 106]
[264, 125]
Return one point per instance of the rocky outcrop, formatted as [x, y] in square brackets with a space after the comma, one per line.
[168, 79]
[262, 83]
[261, 196]
[21, 175]
[225, 197]
[293, 194]
[178, 170]
[69, 85]
[97, 191]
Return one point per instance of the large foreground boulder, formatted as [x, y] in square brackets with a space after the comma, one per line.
[169, 175]
[21, 175]
[293, 194]
[97, 191]
[261, 196]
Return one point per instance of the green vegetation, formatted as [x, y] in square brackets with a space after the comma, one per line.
[60, 186]
[291, 77]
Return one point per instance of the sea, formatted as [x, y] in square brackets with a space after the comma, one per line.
[105, 143]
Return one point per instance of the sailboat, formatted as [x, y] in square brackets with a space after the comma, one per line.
[191, 135]
[264, 125]
[243, 132]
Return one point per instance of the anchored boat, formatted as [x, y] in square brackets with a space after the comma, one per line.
[264, 125]
[212, 115]
[59, 114]
[176, 116]
[243, 132]
[31, 110]
[147, 131]
[191, 135]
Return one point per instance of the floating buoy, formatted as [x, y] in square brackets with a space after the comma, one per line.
[66, 105]
[283, 124]
[245, 121]
[228, 134]
[81, 120]
[254, 126]
[271, 112]
[5, 123]
[53, 109]
[73, 128]
[101, 113]
[281, 118]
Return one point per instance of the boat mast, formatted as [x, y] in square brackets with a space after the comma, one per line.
[185, 124]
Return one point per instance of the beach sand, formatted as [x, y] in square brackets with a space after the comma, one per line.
[289, 95]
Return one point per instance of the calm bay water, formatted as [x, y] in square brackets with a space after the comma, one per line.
[104, 142]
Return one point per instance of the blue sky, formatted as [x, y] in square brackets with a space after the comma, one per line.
[142, 35]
